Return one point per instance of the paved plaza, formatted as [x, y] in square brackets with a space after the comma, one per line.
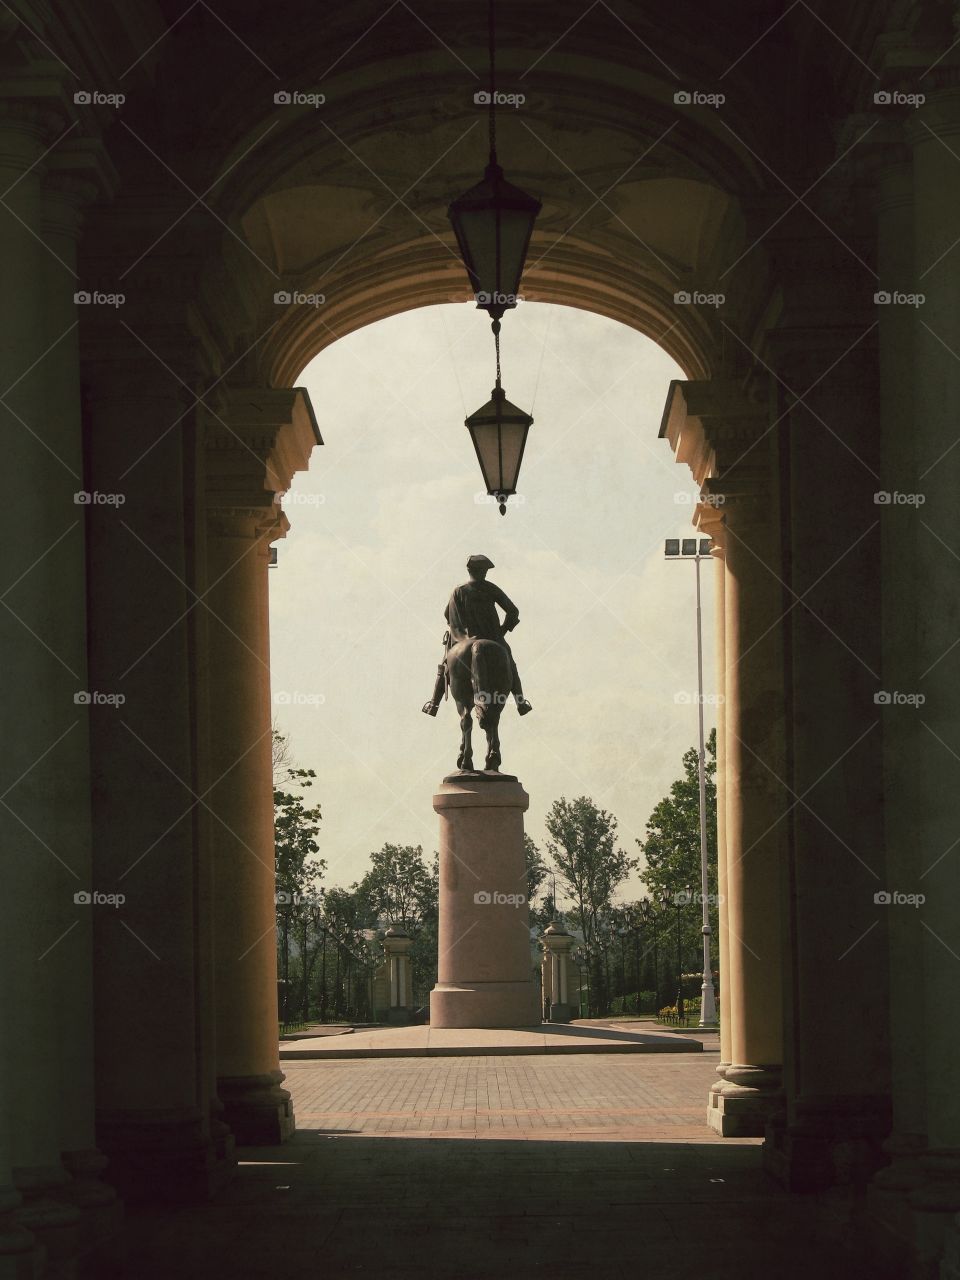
[429, 1041]
[500, 1166]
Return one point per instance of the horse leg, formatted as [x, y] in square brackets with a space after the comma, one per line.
[465, 759]
[493, 746]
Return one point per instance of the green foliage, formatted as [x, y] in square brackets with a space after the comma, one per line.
[583, 848]
[399, 887]
[671, 848]
[671, 852]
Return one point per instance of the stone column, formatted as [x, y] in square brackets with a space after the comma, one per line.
[935, 136]
[709, 521]
[253, 449]
[397, 944]
[836, 1047]
[557, 946]
[753, 799]
[484, 975]
[904, 737]
[723, 439]
[152, 1041]
[42, 823]
[74, 178]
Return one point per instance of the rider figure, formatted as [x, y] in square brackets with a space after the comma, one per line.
[472, 615]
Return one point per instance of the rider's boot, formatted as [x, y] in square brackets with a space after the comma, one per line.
[523, 706]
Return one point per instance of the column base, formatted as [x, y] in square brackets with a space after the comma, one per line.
[485, 1004]
[160, 1158]
[744, 1100]
[101, 1213]
[53, 1223]
[562, 1013]
[829, 1142]
[935, 1204]
[256, 1109]
[224, 1143]
[21, 1257]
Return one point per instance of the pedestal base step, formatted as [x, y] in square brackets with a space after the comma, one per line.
[494, 1005]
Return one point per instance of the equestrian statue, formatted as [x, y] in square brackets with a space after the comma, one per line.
[478, 668]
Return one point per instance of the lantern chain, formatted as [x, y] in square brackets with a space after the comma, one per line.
[491, 40]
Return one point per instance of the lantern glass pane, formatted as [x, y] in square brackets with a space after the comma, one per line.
[485, 440]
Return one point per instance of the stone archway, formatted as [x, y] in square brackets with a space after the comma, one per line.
[188, 414]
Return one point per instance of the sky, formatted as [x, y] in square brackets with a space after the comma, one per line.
[383, 523]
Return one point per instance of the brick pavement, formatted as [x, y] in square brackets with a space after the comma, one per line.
[621, 1098]
[410, 1168]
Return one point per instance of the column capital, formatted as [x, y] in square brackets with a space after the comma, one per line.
[939, 117]
[709, 425]
[262, 436]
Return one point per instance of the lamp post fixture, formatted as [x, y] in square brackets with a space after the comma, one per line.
[678, 899]
[697, 549]
[493, 222]
[648, 916]
[581, 959]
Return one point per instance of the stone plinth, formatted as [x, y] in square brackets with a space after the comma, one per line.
[558, 975]
[399, 973]
[484, 974]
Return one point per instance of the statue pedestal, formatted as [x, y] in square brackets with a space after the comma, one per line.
[484, 973]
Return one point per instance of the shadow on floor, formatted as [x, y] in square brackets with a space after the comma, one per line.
[331, 1205]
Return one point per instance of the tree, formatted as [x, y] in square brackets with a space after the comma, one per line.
[402, 890]
[671, 852]
[541, 913]
[399, 886]
[298, 869]
[583, 847]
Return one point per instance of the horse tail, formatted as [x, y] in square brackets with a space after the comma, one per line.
[487, 692]
[482, 692]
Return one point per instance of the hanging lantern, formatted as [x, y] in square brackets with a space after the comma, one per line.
[499, 433]
[493, 222]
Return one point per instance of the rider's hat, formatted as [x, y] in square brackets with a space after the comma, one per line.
[480, 562]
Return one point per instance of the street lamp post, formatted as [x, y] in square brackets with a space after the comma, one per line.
[648, 915]
[697, 549]
[678, 900]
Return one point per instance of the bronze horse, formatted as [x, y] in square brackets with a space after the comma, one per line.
[480, 679]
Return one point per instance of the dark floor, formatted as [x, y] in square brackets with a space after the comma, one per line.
[333, 1205]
